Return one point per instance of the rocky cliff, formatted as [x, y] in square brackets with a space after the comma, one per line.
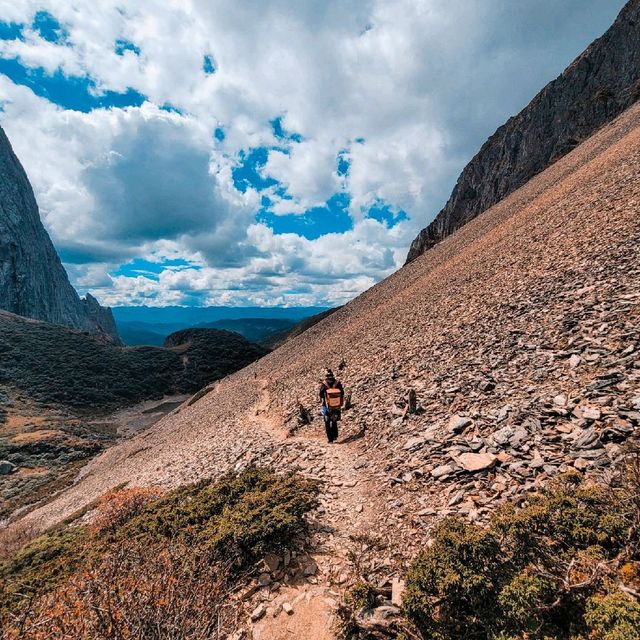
[593, 90]
[33, 282]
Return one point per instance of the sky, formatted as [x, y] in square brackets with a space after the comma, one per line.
[262, 152]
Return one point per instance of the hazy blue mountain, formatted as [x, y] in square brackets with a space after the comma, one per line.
[192, 316]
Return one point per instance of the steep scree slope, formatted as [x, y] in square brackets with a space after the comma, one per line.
[594, 89]
[519, 335]
[33, 282]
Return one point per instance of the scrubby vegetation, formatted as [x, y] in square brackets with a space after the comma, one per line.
[57, 365]
[151, 565]
[563, 566]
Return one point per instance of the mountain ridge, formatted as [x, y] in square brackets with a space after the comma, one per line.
[33, 281]
[595, 88]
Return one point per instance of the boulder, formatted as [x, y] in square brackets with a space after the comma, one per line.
[6, 467]
[477, 461]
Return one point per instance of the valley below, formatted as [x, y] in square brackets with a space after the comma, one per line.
[45, 449]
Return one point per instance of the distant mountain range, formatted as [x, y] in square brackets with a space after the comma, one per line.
[151, 325]
[254, 329]
[192, 316]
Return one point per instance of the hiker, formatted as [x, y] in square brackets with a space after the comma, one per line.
[332, 396]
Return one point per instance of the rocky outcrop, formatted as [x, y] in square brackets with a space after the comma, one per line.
[33, 282]
[593, 90]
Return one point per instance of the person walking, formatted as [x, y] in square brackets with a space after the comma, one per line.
[332, 397]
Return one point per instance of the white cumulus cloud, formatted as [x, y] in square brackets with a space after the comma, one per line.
[404, 91]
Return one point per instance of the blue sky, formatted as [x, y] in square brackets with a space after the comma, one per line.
[264, 153]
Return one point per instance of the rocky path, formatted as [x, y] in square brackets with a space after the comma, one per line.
[301, 602]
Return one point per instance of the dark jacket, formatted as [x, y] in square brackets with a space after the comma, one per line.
[327, 384]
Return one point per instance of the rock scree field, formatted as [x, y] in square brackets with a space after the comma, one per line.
[518, 334]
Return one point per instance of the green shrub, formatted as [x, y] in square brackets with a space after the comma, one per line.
[41, 564]
[451, 588]
[361, 595]
[533, 572]
[228, 523]
[237, 517]
[613, 617]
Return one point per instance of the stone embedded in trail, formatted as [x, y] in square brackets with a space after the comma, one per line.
[397, 592]
[443, 470]
[258, 612]
[310, 568]
[287, 608]
[264, 579]
[457, 424]
[6, 467]
[477, 461]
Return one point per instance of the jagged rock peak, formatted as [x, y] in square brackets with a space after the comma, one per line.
[33, 282]
[598, 86]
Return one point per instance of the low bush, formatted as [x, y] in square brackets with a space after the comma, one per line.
[546, 570]
[133, 591]
[119, 506]
[152, 566]
[614, 616]
[53, 364]
[239, 517]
